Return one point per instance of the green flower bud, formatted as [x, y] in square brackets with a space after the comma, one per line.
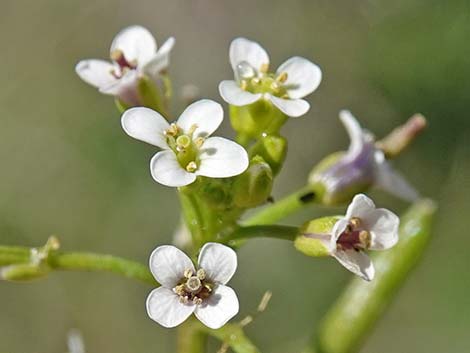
[23, 272]
[256, 119]
[314, 237]
[253, 187]
[273, 149]
[216, 192]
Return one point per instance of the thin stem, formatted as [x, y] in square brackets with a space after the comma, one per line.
[80, 261]
[283, 207]
[264, 231]
[191, 338]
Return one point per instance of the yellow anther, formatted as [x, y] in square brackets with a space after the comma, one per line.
[197, 301]
[201, 274]
[172, 130]
[244, 85]
[282, 77]
[199, 141]
[275, 86]
[365, 238]
[116, 54]
[264, 68]
[191, 167]
[188, 273]
[355, 222]
[255, 81]
[184, 300]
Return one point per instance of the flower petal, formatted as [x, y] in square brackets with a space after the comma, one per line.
[164, 307]
[161, 60]
[137, 43]
[303, 76]
[124, 88]
[338, 229]
[220, 307]
[233, 94]
[146, 125]
[219, 262]
[96, 72]
[222, 158]
[361, 207]
[166, 170]
[206, 114]
[291, 107]
[168, 263]
[357, 262]
[355, 132]
[392, 181]
[242, 49]
[383, 226]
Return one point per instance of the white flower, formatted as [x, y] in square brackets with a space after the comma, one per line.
[363, 228]
[134, 54]
[188, 151]
[293, 80]
[185, 290]
[362, 164]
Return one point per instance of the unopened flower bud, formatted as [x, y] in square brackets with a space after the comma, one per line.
[253, 187]
[314, 237]
[273, 149]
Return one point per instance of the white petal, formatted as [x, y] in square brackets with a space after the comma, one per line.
[233, 94]
[96, 72]
[221, 158]
[392, 181]
[161, 60]
[338, 229]
[206, 114]
[220, 307]
[219, 262]
[361, 207]
[354, 130]
[168, 263]
[291, 107]
[357, 262]
[166, 170]
[164, 307]
[383, 226]
[242, 49]
[137, 43]
[146, 125]
[303, 76]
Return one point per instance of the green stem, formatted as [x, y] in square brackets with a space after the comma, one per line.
[264, 231]
[80, 261]
[283, 207]
[191, 339]
[353, 316]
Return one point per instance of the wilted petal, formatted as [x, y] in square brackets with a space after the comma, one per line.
[357, 262]
[360, 207]
[354, 130]
[161, 60]
[242, 49]
[205, 114]
[164, 307]
[291, 107]
[222, 158]
[383, 226]
[96, 72]
[168, 263]
[233, 94]
[386, 178]
[219, 262]
[220, 307]
[146, 125]
[303, 76]
[166, 170]
[137, 43]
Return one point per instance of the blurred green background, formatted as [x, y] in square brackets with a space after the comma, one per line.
[68, 169]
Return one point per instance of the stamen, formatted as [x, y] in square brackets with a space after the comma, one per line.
[355, 222]
[282, 77]
[365, 238]
[264, 68]
[188, 273]
[192, 129]
[199, 141]
[256, 80]
[191, 167]
[275, 86]
[201, 274]
[118, 56]
[197, 301]
[172, 130]
[244, 85]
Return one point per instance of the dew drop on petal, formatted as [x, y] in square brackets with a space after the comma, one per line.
[244, 71]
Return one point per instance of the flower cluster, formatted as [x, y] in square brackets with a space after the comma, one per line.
[219, 179]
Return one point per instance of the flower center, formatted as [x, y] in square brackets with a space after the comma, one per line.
[124, 65]
[261, 81]
[184, 146]
[194, 287]
[354, 236]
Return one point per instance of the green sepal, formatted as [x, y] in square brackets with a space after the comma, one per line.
[273, 149]
[149, 95]
[121, 105]
[254, 186]
[256, 119]
[314, 236]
